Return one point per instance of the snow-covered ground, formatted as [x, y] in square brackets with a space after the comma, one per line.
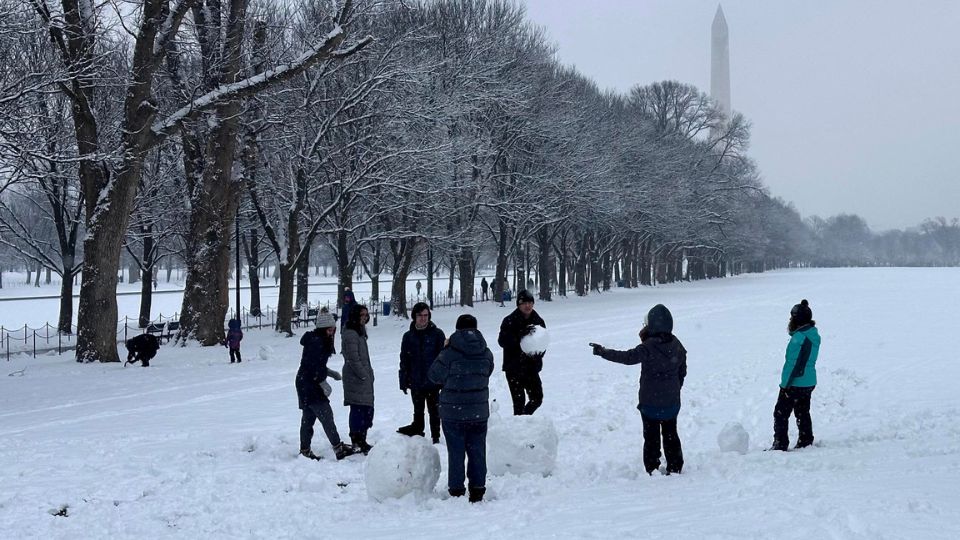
[194, 447]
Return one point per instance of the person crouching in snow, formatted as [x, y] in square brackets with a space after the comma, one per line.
[313, 389]
[463, 371]
[663, 366]
[797, 379]
[234, 336]
[142, 349]
[357, 377]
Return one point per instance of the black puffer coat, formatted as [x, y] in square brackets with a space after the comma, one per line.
[418, 350]
[512, 330]
[313, 368]
[663, 363]
[463, 371]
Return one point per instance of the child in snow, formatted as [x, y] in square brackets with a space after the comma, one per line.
[663, 366]
[357, 377]
[312, 388]
[142, 349]
[797, 379]
[234, 336]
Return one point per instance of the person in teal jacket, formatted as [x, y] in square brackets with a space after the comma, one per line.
[798, 379]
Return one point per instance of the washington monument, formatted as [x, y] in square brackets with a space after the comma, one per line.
[720, 63]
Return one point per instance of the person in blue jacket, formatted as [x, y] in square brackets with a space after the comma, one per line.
[663, 367]
[797, 379]
[462, 370]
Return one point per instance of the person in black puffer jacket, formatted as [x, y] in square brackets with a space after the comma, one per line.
[522, 370]
[418, 350]
[313, 389]
[463, 371]
[663, 367]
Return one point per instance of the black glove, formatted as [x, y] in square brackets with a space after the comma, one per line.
[597, 349]
[644, 333]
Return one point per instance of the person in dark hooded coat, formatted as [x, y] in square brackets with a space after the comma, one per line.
[313, 390]
[463, 372]
[418, 350]
[663, 367]
[234, 336]
[142, 349]
[349, 301]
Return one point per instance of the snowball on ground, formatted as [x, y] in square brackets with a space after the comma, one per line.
[734, 438]
[521, 444]
[536, 341]
[400, 465]
[266, 352]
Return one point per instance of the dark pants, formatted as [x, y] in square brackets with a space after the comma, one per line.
[523, 384]
[429, 399]
[466, 439]
[361, 418]
[653, 429]
[794, 400]
[311, 413]
[484, 296]
[234, 355]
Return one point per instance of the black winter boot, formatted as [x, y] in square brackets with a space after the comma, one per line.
[457, 492]
[411, 431]
[360, 443]
[343, 450]
[308, 453]
[476, 494]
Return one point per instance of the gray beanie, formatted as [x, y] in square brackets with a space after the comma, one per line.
[326, 320]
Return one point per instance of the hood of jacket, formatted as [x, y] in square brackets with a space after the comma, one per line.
[659, 320]
[470, 342]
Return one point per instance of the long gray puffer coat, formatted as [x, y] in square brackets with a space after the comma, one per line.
[357, 371]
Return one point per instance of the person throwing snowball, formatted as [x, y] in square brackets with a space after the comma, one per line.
[663, 367]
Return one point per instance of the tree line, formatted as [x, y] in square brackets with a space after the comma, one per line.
[384, 135]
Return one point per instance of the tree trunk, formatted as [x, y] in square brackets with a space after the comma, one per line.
[303, 277]
[285, 300]
[65, 322]
[403, 252]
[544, 263]
[502, 261]
[146, 289]
[344, 266]
[253, 272]
[467, 274]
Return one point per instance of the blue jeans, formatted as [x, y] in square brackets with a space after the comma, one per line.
[466, 439]
[361, 418]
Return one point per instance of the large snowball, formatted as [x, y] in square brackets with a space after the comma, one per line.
[733, 438]
[399, 465]
[536, 341]
[521, 444]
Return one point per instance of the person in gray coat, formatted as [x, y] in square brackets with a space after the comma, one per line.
[357, 376]
[463, 371]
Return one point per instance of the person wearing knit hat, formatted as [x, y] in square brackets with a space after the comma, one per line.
[521, 369]
[462, 370]
[312, 387]
[418, 350]
[798, 378]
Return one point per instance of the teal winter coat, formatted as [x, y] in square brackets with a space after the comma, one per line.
[799, 367]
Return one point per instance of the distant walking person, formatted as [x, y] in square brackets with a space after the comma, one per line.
[142, 349]
[418, 288]
[418, 350]
[358, 377]
[463, 371]
[797, 379]
[663, 367]
[313, 390]
[234, 336]
[522, 370]
[484, 286]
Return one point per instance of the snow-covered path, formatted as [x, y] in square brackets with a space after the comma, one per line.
[194, 447]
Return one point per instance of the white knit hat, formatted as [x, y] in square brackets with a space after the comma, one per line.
[326, 320]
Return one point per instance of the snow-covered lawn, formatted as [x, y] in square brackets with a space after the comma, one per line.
[194, 447]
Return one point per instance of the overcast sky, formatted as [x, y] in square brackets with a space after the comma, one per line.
[855, 104]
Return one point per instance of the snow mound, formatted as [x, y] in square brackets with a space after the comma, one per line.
[266, 352]
[734, 438]
[536, 341]
[399, 465]
[522, 444]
